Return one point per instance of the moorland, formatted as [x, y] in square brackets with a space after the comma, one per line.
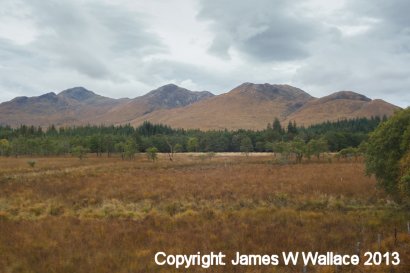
[105, 214]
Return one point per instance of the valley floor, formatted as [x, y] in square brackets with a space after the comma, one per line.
[104, 214]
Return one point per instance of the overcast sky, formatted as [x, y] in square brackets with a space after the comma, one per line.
[125, 48]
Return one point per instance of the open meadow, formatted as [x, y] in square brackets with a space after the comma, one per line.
[110, 215]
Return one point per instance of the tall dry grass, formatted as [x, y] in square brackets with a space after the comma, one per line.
[110, 215]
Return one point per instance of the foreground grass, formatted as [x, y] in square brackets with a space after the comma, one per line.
[109, 215]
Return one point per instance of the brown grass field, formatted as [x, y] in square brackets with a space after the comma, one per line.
[111, 215]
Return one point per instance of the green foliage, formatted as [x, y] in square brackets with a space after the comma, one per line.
[150, 129]
[216, 141]
[387, 154]
[246, 145]
[31, 163]
[404, 183]
[316, 147]
[277, 127]
[349, 153]
[292, 130]
[192, 144]
[152, 153]
[260, 146]
[127, 149]
[130, 149]
[178, 148]
[281, 148]
[275, 132]
[5, 147]
[30, 140]
[173, 146]
[79, 151]
[404, 187]
[298, 148]
[268, 146]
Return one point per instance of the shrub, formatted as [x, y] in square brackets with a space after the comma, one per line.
[152, 153]
[31, 163]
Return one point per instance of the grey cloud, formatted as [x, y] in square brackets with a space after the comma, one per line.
[110, 48]
[264, 30]
[90, 37]
[126, 33]
[77, 42]
[393, 22]
[393, 12]
[364, 65]
[65, 19]
[165, 71]
[86, 63]
[374, 62]
[9, 52]
[159, 71]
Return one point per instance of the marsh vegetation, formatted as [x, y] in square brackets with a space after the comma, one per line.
[111, 215]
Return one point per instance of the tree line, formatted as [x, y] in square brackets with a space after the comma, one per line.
[128, 140]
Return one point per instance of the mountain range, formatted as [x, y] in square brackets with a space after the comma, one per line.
[247, 106]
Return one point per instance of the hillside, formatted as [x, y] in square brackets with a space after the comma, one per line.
[340, 105]
[71, 106]
[253, 106]
[248, 106]
[79, 106]
[166, 97]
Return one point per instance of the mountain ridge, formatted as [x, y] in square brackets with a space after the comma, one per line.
[247, 106]
[165, 97]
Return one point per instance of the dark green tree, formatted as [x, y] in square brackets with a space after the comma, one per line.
[192, 144]
[246, 145]
[277, 129]
[387, 154]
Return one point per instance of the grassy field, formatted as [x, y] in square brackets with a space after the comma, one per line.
[112, 215]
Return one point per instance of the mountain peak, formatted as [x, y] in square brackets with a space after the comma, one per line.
[271, 91]
[77, 93]
[167, 89]
[169, 86]
[345, 95]
[171, 95]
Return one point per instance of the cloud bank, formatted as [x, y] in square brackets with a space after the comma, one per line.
[125, 48]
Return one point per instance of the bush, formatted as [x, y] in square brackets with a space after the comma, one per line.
[387, 154]
[79, 151]
[152, 153]
[31, 163]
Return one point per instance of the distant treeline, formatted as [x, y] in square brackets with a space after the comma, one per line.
[125, 139]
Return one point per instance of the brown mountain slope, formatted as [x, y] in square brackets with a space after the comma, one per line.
[79, 106]
[69, 107]
[166, 97]
[340, 105]
[248, 106]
